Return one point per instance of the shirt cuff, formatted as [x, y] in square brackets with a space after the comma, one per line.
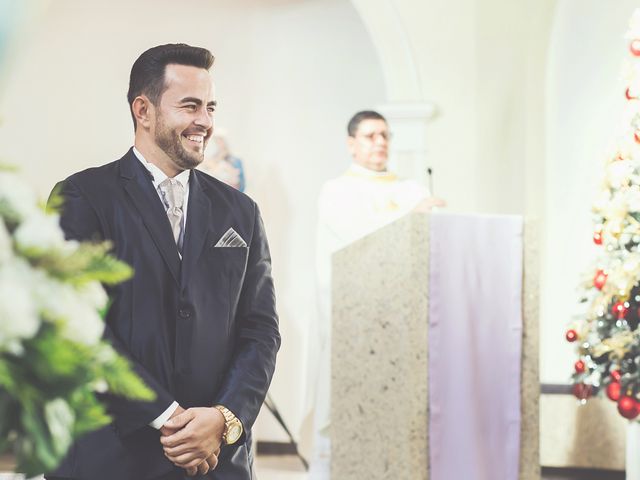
[159, 422]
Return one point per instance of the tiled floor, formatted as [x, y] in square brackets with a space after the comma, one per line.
[290, 468]
[267, 468]
[279, 468]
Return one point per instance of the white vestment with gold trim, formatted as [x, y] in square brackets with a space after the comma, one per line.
[351, 206]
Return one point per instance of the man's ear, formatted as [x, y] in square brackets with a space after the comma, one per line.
[142, 109]
[351, 145]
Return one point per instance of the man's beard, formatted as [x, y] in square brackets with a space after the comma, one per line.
[170, 141]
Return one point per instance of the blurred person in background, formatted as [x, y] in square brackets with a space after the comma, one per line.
[221, 164]
[362, 200]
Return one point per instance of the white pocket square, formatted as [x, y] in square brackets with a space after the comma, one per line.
[231, 239]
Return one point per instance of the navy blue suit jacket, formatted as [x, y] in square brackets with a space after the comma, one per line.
[201, 331]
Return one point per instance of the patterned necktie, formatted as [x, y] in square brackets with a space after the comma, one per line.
[173, 198]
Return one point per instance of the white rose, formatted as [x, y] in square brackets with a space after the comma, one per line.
[83, 325]
[52, 296]
[105, 353]
[40, 231]
[14, 347]
[19, 317]
[60, 418]
[6, 243]
[69, 247]
[17, 196]
[100, 386]
[79, 318]
[93, 294]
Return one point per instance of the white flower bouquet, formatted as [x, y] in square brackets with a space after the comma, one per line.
[53, 363]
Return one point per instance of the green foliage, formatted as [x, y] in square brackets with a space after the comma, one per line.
[55, 201]
[122, 380]
[90, 413]
[89, 262]
[50, 382]
[57, 372]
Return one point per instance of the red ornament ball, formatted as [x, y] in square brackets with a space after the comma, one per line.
[619, 309]
[582, 391]
[613, 391]
[600, 279]
[615, 374]
[571, 335]
[579, 366]
[634, 47]
[597, 237]
[628, 407]
[629, 95]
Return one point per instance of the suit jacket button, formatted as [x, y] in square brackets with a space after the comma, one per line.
[184, 313]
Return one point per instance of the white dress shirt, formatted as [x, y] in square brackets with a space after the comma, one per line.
[159, 177]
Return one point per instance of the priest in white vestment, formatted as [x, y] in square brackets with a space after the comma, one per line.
[363, 199]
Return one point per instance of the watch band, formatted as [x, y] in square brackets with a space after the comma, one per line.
[226, 413]
[232, 426]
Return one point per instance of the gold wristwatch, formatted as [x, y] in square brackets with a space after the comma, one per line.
[232, 426]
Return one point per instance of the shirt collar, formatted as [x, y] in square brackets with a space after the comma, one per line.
[356, 170]
[158, 175]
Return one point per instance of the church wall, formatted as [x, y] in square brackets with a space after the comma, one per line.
[526, 96]
[483, 64]
[584, 104]
[286, 89]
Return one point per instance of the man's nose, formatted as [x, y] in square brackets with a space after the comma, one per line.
[381, 139]
[204, 119]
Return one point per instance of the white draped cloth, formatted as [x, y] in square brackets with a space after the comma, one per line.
[351, 206]
[475, 344]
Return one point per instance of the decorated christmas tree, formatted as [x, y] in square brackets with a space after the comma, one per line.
[606, 332]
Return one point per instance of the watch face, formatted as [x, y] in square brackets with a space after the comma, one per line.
[234, 432]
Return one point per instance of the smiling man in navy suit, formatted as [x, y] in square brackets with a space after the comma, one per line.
[198, 318]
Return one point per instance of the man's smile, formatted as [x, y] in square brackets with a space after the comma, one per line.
[195, 139]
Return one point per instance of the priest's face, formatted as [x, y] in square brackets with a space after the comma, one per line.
[369, 146]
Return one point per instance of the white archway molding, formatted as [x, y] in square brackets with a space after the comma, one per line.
[406, 109]
[389, 36]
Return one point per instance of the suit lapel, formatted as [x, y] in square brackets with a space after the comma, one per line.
[199, 224]
[138, 184]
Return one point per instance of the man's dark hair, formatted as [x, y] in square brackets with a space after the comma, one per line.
[147, 72]
[352, 127]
